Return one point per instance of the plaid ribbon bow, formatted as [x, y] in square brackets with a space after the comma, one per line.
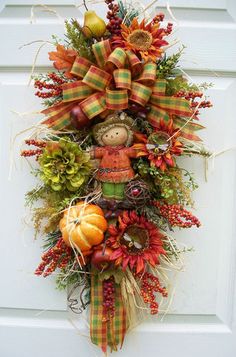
[118, 77]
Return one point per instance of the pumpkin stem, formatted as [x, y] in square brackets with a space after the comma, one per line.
[76, 221]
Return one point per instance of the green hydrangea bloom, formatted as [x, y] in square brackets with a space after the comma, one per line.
[64, 165]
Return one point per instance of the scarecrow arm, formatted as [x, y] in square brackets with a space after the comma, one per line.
[131, 152]
[97, 152]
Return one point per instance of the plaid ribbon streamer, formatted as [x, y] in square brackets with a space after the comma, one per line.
[106, 331]
[188, 128]
[120, 77]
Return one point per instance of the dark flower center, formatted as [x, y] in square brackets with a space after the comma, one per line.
[135, 239]
[159, 143]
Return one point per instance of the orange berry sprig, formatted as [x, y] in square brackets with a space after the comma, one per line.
[158, 18]
[28, 153]
[37, 143]
[56, 257]
[191, 96]
[34, 152]
[150, 286]
[53, 85]
[204, 104]
[188, 95]
[169, 28]
[177, 216]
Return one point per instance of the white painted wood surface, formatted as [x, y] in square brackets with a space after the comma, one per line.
[201, 320]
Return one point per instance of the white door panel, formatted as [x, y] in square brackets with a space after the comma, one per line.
[201, 319]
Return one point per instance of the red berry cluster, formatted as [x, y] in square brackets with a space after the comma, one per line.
[203, 104]
[150, 286]
[109, 297]
[158, 18]
[115, 21]
[37, 143]
[188, 95]
[28, 153]
[56, 257]
[177, 215]
[36, 152]
[54, 89]
[55, 78]
[169, 28]
[191, 96]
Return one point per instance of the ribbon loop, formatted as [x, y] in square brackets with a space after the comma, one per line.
[80, 67]
[117, 59]
[159, 87]
[97, 79]
[116, 99]
[93, 105]
[102, 51]
[135, 63]
[76, 91]
[122, 78]
[140, 94]
[148, 76]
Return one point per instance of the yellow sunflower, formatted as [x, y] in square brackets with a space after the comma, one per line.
[144, 39]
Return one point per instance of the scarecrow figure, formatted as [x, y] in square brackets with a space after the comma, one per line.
[114, 136]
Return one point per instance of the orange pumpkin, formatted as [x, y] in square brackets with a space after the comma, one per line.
[83, 226]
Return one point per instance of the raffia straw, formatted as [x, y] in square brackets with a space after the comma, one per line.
[45, 9]
[139, 5]
[212, 157]
[131, 294]
[171, 44]
[36, 55]
[91, 2]
[171, 13]
[76, 328]
[149, 5]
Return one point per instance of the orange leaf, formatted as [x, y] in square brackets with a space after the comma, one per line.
[63, 58]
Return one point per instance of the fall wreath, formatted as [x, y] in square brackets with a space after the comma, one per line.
[118, 115]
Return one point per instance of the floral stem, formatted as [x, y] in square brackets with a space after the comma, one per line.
[85, 5]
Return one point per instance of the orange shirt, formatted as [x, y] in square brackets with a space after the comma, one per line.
[115, 165]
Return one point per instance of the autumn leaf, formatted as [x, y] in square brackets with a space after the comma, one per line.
[63, 59]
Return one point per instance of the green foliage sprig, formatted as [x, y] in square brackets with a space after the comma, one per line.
[167, 66]
[77, 40]
[173, 185]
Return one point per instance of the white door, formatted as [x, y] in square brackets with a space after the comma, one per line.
[201, 319]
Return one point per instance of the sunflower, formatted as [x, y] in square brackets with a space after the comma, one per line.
[144, 39]
[136, 242]
[161, 146]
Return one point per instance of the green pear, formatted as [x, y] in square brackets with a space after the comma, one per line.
[94, 26]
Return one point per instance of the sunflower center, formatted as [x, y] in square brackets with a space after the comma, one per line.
[135, 239]
[140, 40]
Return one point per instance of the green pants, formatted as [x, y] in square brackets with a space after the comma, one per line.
[113, 190]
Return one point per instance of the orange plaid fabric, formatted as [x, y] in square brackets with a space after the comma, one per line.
[104, 330]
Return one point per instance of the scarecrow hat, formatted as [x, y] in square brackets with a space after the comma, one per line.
[112, 121]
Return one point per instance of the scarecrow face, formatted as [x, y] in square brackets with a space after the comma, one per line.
[115, 136]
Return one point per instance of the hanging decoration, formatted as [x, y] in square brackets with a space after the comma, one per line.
[119, 114]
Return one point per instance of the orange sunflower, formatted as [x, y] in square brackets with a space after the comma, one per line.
[136, 242]
[144, 39]
[161, 146]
